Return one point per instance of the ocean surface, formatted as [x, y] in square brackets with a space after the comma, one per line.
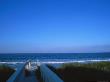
[55, 57]
[15, 60]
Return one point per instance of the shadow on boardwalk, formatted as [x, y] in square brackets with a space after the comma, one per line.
[30, 78]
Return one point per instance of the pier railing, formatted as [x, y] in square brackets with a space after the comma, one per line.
[48, 75]
[19, 73]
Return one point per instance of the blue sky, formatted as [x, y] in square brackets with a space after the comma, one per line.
[34, 26]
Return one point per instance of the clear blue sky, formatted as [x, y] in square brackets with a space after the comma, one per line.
[54, 26]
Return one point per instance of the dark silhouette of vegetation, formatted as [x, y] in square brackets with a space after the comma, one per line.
[5, 72]
[84, 72]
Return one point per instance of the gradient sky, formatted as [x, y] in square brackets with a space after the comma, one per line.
[33, 26]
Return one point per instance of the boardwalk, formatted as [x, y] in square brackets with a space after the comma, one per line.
[20, 75]
[31, 78]
[26, 73]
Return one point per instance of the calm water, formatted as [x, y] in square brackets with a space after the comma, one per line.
[56, 57]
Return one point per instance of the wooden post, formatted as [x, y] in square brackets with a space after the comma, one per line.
[28, 66]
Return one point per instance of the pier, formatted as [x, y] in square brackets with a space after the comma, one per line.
[46, 74]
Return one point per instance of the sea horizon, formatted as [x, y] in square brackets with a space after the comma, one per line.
[62, 57]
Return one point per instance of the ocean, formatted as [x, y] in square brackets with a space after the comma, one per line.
[15, 60]
[55, 57]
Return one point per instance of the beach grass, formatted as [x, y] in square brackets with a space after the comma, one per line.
[5, 72]
[102, 66]
[84, 72]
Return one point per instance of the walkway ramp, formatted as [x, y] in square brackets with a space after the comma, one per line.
[25, 74]
[31, 78]
[19, 75]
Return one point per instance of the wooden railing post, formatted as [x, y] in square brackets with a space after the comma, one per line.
[28, 66]
[48, 75]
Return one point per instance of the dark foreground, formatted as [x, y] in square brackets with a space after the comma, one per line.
[5, 72]
[76, 72]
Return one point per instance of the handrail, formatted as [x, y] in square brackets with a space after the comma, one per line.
[18, 72]
[48, 75]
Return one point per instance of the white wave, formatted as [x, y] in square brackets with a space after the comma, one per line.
[58, 61]
[98, 60]
[12, 62]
